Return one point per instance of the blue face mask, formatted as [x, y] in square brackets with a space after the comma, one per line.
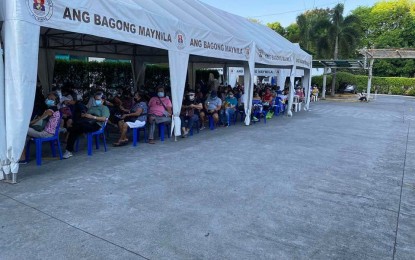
[160, 94]
[49, 102]
[98, 102]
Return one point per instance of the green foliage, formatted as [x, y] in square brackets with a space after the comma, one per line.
[292, 33]
[277, 27]
[384, 85]
[82, 74]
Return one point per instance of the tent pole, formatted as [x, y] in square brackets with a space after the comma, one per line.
[307, 85]
[323, 91]
[291, 94]
[369, 80]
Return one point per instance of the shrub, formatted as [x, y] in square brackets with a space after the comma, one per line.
[384, 85]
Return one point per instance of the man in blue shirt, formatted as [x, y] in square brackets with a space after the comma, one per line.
[213, 105]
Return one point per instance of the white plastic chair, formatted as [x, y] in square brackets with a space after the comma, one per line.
[297, 103]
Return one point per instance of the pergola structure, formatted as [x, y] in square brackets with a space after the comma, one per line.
[372, 54]
[327, 65]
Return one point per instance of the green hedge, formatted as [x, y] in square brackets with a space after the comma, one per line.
[384, 85]
[82, 74]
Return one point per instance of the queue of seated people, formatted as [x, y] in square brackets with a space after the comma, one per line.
[125, 111]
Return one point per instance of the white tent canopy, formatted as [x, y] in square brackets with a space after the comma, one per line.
[175, 31]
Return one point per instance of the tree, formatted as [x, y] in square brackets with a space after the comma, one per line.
[306, 22]
[254, 20]
[389, 24]
[277, 27]
[338, 35]
[292, 33]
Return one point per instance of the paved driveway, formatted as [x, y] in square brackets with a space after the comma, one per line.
[337, 182]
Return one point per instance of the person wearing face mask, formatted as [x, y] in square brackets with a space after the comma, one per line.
[159, 110]
[90, 121]
[189, 113]
[38, 129]
[229, 109]
[136, 118]
[213, 105]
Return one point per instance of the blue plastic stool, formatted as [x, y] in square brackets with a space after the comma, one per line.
[162, 129]
[195, 125]
[97, 134]
[211, 122]
[38, 141]
[136, 135]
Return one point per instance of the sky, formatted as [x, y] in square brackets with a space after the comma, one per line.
[283, 11]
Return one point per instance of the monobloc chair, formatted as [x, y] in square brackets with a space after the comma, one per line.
[195, 125]
[38, 141]
[97, 134]
[162, 130]
[277, 105]
[136, 134]
[297, 103]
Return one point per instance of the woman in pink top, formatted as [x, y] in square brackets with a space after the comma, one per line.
[54, 119]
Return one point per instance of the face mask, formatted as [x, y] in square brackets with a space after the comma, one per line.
[98, 102]
[212, 95]
[59, 93]
[191, 98]
[160, 94]
[49, 102]
[231, 96]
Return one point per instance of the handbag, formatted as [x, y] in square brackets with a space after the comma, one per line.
[165, 112]
[40, 125]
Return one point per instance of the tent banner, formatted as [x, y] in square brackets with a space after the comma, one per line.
[275, 56]
[129, 23]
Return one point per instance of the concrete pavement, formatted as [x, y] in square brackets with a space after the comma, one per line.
[337, 182]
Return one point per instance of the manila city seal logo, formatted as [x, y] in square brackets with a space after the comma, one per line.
[41, 10]
[180, 40]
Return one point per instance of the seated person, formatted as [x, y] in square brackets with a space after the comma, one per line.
[241, 106]
[189, 113]
[202, 112]
[159, 111]
[52, 116]
[267, 99]
[135, 119]
[90, 121]
[299, 92]
[121, 104]
[362, 97]
[315, 92]
[229, 109]
[213, 105]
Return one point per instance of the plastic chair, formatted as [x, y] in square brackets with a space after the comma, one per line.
[211, 122]
[277, 106]
[38, 141]
[162, 129]
[297, 103]
[136, 134]
[97, 134]
[195, 125]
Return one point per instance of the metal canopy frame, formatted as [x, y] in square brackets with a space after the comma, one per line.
[339, 64]
[388, 53]
[372, 54]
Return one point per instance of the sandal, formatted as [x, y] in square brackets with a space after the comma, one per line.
[151, 141]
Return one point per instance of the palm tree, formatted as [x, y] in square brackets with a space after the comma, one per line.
[337, 35]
